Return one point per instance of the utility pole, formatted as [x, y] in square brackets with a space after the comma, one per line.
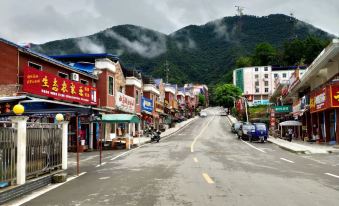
[240, 10]
[167, 71]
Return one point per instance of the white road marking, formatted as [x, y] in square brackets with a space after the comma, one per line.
[287, 160]
[196, 138]
[42, 191]
[101, 164]
[195, 159]
[104, 178]
[207, 178]
[253, 146]
[336, 176]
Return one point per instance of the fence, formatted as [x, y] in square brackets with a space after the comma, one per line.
[43, 148]
[8, 153]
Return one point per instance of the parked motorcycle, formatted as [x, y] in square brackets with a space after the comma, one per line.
[148, 131]
[155, 136]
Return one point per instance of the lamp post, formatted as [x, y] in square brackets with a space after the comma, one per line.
[59, 117]
[18, 109]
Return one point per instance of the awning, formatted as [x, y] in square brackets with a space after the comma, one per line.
[290, 123]
[119, 118]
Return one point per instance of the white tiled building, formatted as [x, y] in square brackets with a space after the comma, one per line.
[257, 83]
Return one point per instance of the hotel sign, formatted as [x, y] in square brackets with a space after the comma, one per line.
[49, 85]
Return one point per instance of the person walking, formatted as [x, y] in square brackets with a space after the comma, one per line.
[290, 134]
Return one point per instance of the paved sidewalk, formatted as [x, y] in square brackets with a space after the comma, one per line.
[143, 140]
[298, 146]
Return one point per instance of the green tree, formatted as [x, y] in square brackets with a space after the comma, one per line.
[313, 46]
[225, 94]
[202, 100]
[264, 54]
[244, 61]
[293, 51]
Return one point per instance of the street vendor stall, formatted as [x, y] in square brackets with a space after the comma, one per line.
[290, 124]
[119, 126]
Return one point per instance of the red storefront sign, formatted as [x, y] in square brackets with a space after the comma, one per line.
[49, 85]
[319, 99]
[335, 95]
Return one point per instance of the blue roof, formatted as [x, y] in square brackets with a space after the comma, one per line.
[85, 57]
[157, 81]
[85, 67]
[42, 56]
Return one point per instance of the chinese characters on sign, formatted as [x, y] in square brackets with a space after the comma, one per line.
[49, 85]
[318, 99]
[125, 103]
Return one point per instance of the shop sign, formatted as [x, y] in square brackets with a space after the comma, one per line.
[272, 118]
[296, 106]
[159, 107]
[125, 103]
[146, 105]
[335, 95]
[282, 109]
[318, 100]
[284, 90]
[49, 85]
[294, 79]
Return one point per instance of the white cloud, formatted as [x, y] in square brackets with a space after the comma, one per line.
[86, 45]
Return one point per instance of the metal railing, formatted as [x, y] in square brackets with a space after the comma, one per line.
[8, 152]
[44, 148]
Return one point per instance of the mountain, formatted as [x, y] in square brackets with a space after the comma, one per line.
[204, 53]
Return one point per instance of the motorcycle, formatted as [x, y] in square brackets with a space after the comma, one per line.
[147, 131]
[155, 136]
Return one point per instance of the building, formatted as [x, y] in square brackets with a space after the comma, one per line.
[314, 98]
[258, 83]
[45, 87]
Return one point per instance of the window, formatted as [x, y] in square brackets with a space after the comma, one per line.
[265, 69]
[266, 89]
[256, 69]
[137, 96]
[266, 83]
[112, 128]
[276, 75]
[121, 89]
[82, 81]
[256, 76]
[94, 84]
[256, 90]
[34, 65]
[284, 75]
[256, 83]
[63, 75]
[266, 76]
[110, 85]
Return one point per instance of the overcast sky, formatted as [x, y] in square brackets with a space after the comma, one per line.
[39, 21]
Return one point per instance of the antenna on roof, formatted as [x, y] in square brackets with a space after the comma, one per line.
[240, 10]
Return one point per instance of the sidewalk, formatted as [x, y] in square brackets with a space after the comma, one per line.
[297, 146]
[143, 140]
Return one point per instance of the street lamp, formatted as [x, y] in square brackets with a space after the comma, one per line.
[18, 109]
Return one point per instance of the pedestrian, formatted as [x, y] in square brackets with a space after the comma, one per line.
[290, 134]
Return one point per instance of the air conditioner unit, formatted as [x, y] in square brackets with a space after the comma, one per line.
[75, 77]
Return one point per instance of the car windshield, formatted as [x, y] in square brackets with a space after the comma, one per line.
[261, 127]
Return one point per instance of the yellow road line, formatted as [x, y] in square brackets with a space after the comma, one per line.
[196, 138]
[195, 159]
[207, 178]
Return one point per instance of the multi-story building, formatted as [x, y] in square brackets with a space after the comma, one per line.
[258, 83]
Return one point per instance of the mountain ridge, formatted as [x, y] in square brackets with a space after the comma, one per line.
[204, 53]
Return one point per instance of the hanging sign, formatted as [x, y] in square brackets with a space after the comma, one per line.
[146, 105]
[49, 85]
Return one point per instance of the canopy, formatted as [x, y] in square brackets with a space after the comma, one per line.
[119, 118]
[290, 123]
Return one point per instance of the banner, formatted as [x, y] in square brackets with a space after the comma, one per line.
[125, 103]
[319, 99]
[49, 85]
[146, 105]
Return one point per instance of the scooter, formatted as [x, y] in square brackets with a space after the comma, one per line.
[155, 136]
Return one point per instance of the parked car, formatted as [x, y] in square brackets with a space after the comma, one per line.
[245, 130]
[203, 114]
[260, 133]
[235, 127]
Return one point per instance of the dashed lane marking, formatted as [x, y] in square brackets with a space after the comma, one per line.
[332, 175]
[286, 160]
[207, 178]
[101, 164]
[195, 159]
[104, 178]
[253, 146]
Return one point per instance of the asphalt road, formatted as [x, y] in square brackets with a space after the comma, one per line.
[204, 164]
